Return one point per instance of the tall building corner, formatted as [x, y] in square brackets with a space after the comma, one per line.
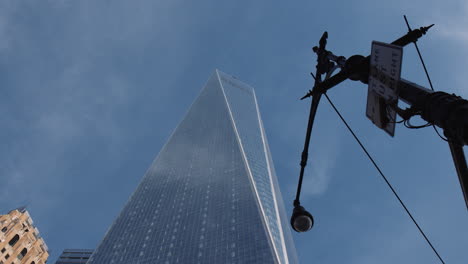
[211, 195]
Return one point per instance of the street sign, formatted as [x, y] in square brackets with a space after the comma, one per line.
[384, 75]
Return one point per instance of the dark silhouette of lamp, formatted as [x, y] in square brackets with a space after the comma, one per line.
[301, 220]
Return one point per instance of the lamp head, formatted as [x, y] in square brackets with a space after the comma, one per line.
[301, 220]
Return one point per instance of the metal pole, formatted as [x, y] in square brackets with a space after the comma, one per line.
[322, 67]
[305, 153]
[460, 165]
[447, 111]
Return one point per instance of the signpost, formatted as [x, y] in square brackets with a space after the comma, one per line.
[384, 75]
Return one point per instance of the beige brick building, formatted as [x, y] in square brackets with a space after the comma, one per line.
[20, 242]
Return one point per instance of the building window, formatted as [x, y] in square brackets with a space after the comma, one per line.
[4, 229]
[33, 262]
[7, 256]
[3, 250]
[14, 240]
[22, 253]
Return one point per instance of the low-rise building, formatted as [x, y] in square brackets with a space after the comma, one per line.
[74, 256]
[20, 242]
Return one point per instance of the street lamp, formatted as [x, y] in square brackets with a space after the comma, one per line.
[446, 111]
[301, 220]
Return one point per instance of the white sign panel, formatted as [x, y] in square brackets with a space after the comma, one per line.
[384, 75]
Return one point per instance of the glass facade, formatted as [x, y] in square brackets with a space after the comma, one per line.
[74, 256]
[211, 195]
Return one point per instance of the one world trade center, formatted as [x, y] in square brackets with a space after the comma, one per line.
[211, 195]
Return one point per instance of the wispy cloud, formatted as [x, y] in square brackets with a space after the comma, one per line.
[323, 155]
[320, 169]
[453, 31]
[7, 10]
[454, 26]
[68, 88]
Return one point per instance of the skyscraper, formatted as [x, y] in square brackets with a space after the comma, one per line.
[211, 195]
[74, 256]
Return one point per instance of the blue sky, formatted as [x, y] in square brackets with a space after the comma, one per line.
[91, 90]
